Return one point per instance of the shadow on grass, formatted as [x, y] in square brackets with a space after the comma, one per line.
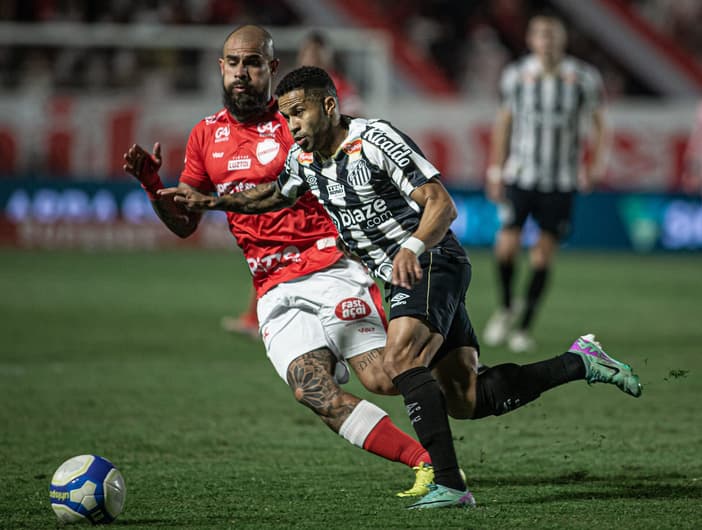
[586, 486]
[648, 491]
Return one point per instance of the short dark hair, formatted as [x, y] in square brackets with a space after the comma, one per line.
[307, 78]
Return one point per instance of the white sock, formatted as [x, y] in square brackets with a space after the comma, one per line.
[361, 422]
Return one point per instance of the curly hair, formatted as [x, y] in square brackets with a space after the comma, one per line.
[307, 78]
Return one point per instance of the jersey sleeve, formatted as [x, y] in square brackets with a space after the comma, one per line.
[396, 153]
[290, 180]
[508, 86]
[195, 173]
[593, 89]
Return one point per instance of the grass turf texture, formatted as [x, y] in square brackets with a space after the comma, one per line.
[121, 355]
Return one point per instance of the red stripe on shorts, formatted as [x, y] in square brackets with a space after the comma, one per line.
[377, 298]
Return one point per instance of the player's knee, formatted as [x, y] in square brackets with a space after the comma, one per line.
[396, 361]
[381, 384]
[299, 394]
[313, 399]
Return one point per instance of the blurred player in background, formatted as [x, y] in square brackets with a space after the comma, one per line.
[314, 51]
[319, 310]
[535, 166]
[392, 211]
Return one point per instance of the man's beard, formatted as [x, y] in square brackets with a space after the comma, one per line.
[243, 105]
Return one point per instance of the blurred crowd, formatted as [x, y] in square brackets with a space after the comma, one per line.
[678, 19]
[265, 12]
[114, 68]
[470, 41]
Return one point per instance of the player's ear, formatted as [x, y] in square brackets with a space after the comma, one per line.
[329, 104]
[274, 65]
[221, 65]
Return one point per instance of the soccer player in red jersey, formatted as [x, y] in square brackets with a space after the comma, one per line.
[318, 310]
[315, 50]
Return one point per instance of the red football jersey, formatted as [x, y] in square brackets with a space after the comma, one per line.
[224, 155]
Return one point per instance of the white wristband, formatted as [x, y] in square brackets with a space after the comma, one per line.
[414, 244]
[494, 174]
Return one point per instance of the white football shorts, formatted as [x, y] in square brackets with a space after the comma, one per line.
[339, 308]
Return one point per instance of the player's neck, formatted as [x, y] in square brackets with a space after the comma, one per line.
[549, 63]
[339, 133]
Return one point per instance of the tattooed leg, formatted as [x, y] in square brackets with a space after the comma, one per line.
[359, 421]
[369, 369]
[311, 378]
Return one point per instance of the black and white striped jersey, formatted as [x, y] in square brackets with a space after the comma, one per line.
[547, 121]
[365, 187]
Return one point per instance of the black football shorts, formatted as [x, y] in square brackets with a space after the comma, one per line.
[552, 211]
[439, 297]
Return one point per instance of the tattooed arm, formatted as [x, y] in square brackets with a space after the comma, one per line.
[265, 197]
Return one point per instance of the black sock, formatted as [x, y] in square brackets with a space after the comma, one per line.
[505, 270]
[426, 408]
[534, 293]
[505, 387]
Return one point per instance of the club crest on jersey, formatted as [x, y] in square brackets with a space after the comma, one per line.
[267, 129]
[222, 134]
[305, 159]
[360, 174]
[267, 150]
[353, 147]
[238, 163]
[352, 309]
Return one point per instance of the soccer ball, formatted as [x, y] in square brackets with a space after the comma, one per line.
[87, 487]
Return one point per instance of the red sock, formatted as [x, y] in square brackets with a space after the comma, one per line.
[388, 441]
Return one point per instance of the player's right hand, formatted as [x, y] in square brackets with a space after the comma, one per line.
[143, 165]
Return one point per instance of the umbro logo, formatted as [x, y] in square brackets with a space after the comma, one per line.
[399, 299]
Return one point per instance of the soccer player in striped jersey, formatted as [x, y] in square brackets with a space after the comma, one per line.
[319, 311]
[392, 211]
[535, 166]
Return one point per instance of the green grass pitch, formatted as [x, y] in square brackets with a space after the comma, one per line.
[121, 355]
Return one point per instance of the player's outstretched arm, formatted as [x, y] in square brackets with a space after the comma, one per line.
[144, 167]
[259, 199]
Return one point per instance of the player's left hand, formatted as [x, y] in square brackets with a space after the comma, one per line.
[193, 200]
[406, 270]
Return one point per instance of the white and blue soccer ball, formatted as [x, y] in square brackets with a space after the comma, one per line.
[87, 488]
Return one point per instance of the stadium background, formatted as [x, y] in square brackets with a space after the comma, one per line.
[85, 262]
